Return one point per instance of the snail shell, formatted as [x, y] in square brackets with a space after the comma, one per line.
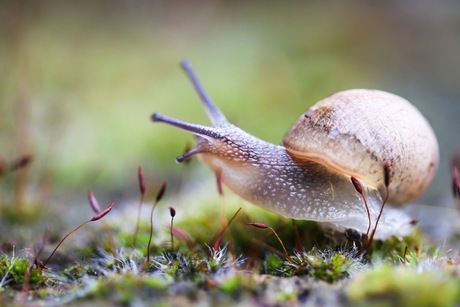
[358, 131]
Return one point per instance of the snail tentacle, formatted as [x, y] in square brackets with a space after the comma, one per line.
[214, 113]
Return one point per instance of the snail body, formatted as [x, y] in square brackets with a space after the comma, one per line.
[372, 136]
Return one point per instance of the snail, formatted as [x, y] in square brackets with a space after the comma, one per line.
[372, 137]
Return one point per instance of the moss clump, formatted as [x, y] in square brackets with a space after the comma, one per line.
[327, 266]
[330, 266]
[394, 249]
[197, 267]
[125, 288]
[272, 265]
[15, 271]
[75, 272]
[402, 286]
[21, 215]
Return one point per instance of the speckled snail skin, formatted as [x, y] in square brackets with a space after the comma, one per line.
[355, 133]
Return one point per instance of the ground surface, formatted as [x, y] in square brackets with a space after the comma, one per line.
[210, 262]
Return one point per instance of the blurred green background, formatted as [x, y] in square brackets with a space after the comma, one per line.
[79, 80]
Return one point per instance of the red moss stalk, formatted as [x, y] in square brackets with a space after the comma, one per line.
[94, 218]
[159, 196]
[263, 226]
[141, 180]
[172, 212]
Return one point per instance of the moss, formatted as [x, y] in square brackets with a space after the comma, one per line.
[394, 249]
[401, 286]
[125, 238]
[126, 288]
[75, 272]
[231, 285]
[22, 214]
[15, 270]
[327, 266]
[272, 265]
